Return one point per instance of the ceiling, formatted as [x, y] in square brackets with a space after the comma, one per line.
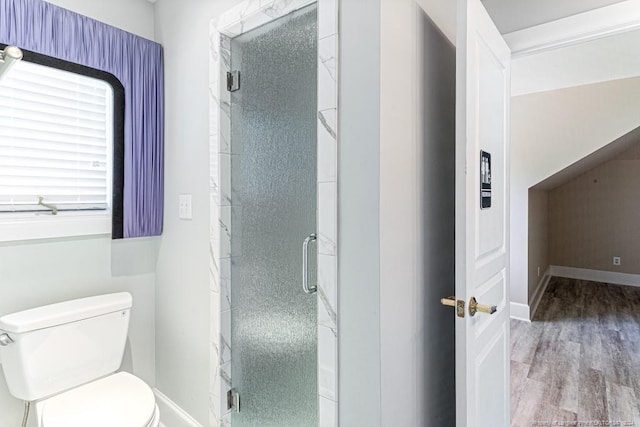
[513, 15]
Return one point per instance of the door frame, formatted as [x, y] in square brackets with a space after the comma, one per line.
[244, 17]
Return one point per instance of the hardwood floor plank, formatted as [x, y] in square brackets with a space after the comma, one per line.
[622, 405]
[519, 372]
[606, 309]
[591, 350]
[620, 367]
[527, 406]
[592, 399]
[525, 342]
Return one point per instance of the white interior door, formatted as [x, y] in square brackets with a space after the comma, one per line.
[482, 233]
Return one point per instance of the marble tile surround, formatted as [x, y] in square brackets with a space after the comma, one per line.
[244, 17]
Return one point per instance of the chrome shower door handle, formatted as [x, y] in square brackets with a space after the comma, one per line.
[305, 265]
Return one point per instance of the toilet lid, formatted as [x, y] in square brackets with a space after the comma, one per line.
[120, 399]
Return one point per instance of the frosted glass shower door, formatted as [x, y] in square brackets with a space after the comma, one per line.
[273, 139]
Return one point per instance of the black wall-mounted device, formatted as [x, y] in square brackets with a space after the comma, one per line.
[485, 180]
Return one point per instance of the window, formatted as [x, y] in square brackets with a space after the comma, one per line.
[61, 144]
[56, 140]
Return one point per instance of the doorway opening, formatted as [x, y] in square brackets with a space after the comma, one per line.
[576, 150]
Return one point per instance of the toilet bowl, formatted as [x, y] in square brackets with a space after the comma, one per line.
[120, 399]
[65, 358]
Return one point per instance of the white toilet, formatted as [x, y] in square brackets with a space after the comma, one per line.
[64, 357]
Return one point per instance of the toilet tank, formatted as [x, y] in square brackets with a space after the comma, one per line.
[60, 346]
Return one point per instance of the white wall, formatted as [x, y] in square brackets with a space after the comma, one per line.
[182, 298]
[386, 366]
[358, 214]
[42, 272]
[135, 16]
[400, 342]
[417, 143]
[550, 131]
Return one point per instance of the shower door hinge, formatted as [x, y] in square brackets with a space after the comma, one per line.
[233, 400]
[233, 81]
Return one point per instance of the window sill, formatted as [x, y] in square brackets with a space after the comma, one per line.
[42, 225]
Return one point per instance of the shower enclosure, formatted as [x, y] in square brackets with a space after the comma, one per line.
[274, 181]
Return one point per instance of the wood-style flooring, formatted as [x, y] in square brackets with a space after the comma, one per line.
[578, 362]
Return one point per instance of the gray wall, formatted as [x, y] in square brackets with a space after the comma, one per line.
[358, 216]
[436, 183]
[396, 216]
[416, 217]
[538, 238]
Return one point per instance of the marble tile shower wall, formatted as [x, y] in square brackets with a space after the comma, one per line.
[245, 17]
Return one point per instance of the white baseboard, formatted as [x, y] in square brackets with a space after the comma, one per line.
[519, 311]
[171, 415]
[596, 275]
[537, 295]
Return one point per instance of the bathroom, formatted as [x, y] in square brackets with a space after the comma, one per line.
[175, 320]
[169, 342]
[355, 227]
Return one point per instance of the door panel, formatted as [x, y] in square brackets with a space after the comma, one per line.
[488, 120]
[482, 248]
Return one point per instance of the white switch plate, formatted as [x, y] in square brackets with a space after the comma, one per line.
[616, 260]
[184, 206]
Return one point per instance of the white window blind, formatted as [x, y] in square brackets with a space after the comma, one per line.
[56, 139]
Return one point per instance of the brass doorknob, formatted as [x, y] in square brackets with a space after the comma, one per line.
[474, 307]
[451, 302]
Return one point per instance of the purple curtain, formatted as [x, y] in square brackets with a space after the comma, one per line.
[50, 30]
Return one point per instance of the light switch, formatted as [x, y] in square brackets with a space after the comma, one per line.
[184, 202]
